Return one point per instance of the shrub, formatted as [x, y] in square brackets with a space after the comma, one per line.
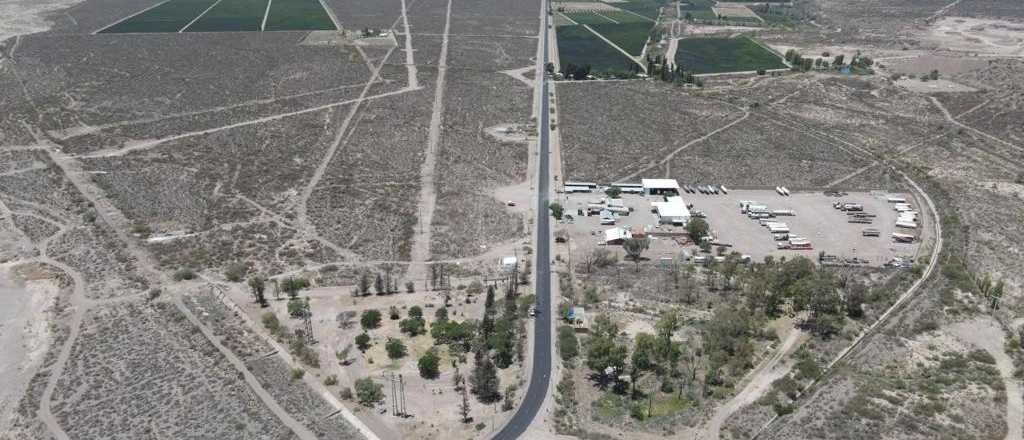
[413, 326]
[296, 307]
[298, 373]
[415, 312]
[429, 364]
[270, 322]
[370, 319]
[331, 380]
[368, 392]
[410, 287]
[396, 348]
[363, 342]
[568, 345]
[556, 210]
[236, 271]
[345, 393]
[184, 274]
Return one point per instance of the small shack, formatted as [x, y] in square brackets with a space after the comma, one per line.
[616, 235]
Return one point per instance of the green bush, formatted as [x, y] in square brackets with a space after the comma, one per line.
[363, 342]
[298, 373]
[568, 345]
[429, 364]
[184, 274]
[236, 272]
[396, 348]
[369, 392]
[370, 319]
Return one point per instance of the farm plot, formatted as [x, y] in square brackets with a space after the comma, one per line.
[171, 16]
[719, 55]
[159, 75]
[587, 17]
[226, 16]
[631, 37]
[297, 15]
[594, 150]
[232, 15]
[366, 201]
[470, 165]
[648, 8]
[580, 47]
[134, 370]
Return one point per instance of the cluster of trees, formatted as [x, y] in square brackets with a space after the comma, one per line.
[659, 67]
[803, 64]
[295, 340]
[381, 284]
[572, 71]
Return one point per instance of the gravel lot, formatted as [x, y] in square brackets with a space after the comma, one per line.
[815, 220]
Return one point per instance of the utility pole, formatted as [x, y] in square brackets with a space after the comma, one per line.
[307, 323]
[401, 387]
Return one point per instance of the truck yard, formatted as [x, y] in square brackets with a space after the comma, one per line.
[803, 223]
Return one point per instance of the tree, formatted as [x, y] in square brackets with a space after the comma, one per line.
[393, 313]
[934, 75]
[416, 312]
[395, 348]
[258, 285]
[363, 342]
[441, 315]
[378, 285]
[613, 192]
[556, 210]
[369, 392]
[236, 271]
[635, 247]
[429, 363]
[838, 60]
[697, 229]
[856, 296]
[464, 407]
[413, 326]
[292, 286]
[484, 381]
[568, 345]
[364, 283]
[370, 319]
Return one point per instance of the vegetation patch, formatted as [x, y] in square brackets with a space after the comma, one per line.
[631, 37]
[578, 46]
[719, 55]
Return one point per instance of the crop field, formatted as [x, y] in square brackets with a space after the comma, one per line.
[631, 37]
[587, 17]
[577, 45]
[718, 55]
[227, 16]
[648, 8]
[297, 15]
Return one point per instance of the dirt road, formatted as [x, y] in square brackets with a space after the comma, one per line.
[987, 335]
[760, 379]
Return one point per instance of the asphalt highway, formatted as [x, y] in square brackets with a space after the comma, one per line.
[541, 375]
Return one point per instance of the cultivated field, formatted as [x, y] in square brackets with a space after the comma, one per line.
[718, 55]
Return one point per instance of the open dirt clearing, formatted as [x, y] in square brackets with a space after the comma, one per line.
[984, 333]
[20, 17]
[24, 336]
[990, 37]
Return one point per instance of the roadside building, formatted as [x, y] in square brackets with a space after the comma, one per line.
[660, 187]
[577, 317]
[616, 235]
[672, 212]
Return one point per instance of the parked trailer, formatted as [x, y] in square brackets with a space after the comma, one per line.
[902, 238]
[853, 207]
[896, 200]
[870, 232]
[785, 191]
[907, 225]
[724, 191]
[783, 212]
[778, 189]
[780, 237]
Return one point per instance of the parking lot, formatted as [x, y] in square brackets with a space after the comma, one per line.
[815, 219]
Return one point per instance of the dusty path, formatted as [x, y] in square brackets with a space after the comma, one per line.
[149, 144]
[410, 60]
[759, 381]
[950, 118]
[903, 298]
[298, 428]
[669, 157]
[420, 252]
[986, 334]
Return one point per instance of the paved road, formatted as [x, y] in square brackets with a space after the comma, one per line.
[541, 374]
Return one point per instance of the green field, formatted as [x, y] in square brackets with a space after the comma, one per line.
[631, 37]
[718, 55]
[292, 15]
[627, 17]
[167, 17]
[227, 15]
[647, 8]
[232, 15]
[578, 46]
[587, 18]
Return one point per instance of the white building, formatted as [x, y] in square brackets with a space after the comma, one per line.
[673, 211]
[617, 235]
[657, 187]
